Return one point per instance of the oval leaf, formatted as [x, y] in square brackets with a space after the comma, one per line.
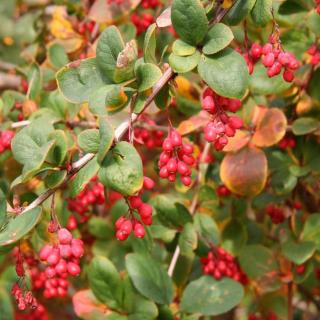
[19, 226]
[210, 297]
[245, 172]
[225, 72]
[149, 278]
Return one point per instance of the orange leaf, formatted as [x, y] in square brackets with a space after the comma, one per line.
[240, 140]
[87, 307]
[270, 127]
[194, 123]
[245, 172]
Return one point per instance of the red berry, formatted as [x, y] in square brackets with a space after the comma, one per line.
[64, 236]
[139, 230]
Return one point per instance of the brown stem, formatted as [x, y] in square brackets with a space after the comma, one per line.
[290, 298]
[9, 81]
[119, 133]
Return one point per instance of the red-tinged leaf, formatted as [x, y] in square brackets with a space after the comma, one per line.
[86, 306]
[194, 123]
[271, 127]
[164, 20]
[245, 172]
[240, 140]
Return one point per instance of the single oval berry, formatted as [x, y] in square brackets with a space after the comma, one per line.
[139, 230]
[64, 236]
[73, 269]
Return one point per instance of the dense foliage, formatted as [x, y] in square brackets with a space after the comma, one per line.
[159, 159]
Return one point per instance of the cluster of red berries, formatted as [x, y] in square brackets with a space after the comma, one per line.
[219, 263]
[150, 4]
[62, 260]
[92, 194]
[23, 298]
[149, 138]
[314, 52]
[223, 191]
[18, 105]
[274, 58]
[221, 125]
[5, 140]
[176, 157]
[40, 313]
[270, 316]
[86, 26]
[288, 142]
[142, 22]
[275, 213]
[125, 225]
[317, 2]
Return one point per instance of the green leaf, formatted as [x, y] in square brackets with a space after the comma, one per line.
[78, 80]
[314, 23]
[3, 208]
[104, 281]
[257, 261]
[262, 12]
[225, 72]
[184, 64]
[260, 83]
[106, 134]
[55, 178]
[311, 229]
[189, 20]
[300, 252]
[30, 146]
[149, 278]
[58, 152]
[149, 45]
[239, 11]
[291, 7]
[147, 76]
[169, 212]
[234, 236]
[83, 177]
[122, 169]
[109, 46]
[313, 88]
[35, 81]
[305, 125]
[57, 55]
[89, 140]
[218, 37]
[207, 228]
[18, 227]
[100, 228]
[188, 240]
[107, 99]
[182, 49]
[210, 297]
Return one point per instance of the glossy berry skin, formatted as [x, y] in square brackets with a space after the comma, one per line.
[176, 158]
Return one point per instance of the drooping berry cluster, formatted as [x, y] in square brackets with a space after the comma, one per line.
[142, 22]
[221, 125]
[314, 52]
[274, 58]
[5, 140]
[288, 142]
[148, 137]
[275, 213]
[150, 4]
[62, 260]
[92, 194]
[40, 313]
[219, 263]
[134, 222]
[23, 297]
[176, 158]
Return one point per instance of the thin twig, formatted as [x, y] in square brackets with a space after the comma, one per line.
[119, 133]
[9, 81]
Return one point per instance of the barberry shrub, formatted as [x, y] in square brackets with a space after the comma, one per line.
[159, 159]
